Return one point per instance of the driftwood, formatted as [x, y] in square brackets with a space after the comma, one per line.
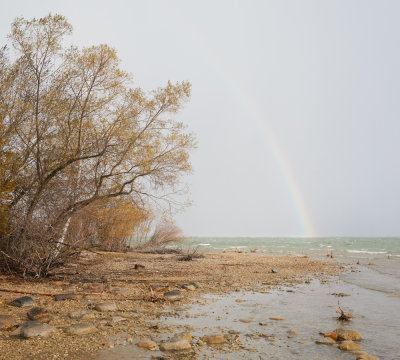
[343, 315]
[40, 293]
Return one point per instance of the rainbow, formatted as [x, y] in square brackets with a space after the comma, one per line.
[272, 143]
[308, 229]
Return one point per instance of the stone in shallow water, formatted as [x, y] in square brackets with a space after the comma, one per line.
[147, 344]
[348, 335]
[103, 307]
[81, 329]
[39, 314]
[367, 357]
[292, 332]
[31, 329]
[214, 339]
[349, 345]
[249, 320]
[173, 295]
[22, 302]
[175, 345]
[6, 321]
[62, 297]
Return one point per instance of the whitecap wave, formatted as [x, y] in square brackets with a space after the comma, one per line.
[366, 252]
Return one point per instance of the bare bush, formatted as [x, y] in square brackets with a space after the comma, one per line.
[163, 235]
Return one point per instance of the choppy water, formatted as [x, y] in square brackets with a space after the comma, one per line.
[349, 247]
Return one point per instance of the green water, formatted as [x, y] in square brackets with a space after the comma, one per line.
[350, 247]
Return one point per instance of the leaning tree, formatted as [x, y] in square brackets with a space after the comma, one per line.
[74, 132]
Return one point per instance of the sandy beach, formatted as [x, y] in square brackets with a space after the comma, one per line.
[137, 285]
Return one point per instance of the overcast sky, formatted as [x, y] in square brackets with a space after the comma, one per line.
[295, 105]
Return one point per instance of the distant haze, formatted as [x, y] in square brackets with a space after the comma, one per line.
[296, 105]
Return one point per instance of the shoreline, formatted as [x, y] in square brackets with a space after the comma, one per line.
[112, 278]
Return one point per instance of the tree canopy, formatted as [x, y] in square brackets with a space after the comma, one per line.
[74, 133]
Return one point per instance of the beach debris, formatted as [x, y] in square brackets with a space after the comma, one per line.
[292, 332]
[343, 316]
[23, 301]
[62, 297]
[358, 262]
[139, 266]
[39, 314]
[274, 271]
[340, 294]
[371, 263]
[277, 318]
[330, 255]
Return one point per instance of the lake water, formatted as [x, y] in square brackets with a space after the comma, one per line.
[349, 247]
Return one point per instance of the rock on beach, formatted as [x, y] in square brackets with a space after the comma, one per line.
[104, 307]
[39, 314]
[81, 329]
[23, 301]
[30, 329]
[173, 295]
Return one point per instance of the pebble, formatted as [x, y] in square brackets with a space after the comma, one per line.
[214, 339]
[31, 329]
[348, 335]
[104, 307]
[292, 332]
[76, 315]
[274, 271]
[189, 287]
[147, 344]
[176, 344]
[173, 295]
[81, 329]
[23, 301]
[7, 321]
[117, 319]
[62, 297]
[249, 320]
[39, 314]
[349, 345]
